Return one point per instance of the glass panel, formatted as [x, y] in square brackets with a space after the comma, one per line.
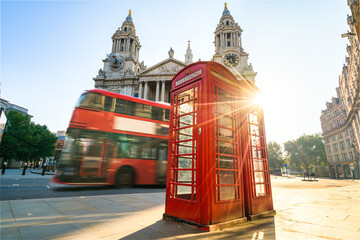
[225, 121]
[253, 118]
[225, 134]
[226, 162]
[258, 165]
[227, 193]
[183, 137]
[255, 141]
[259, 177]
[185, 121]
[260, 190]
[254, 129]
[256, 153]
[185, 162]
[185, 108]
[184, 148]
[224, 108]
[186, 131]
[184, 176]
[194, 198]
[185, 96]
[227, 177]
[183, 192]
[226, 148]
[225, 96]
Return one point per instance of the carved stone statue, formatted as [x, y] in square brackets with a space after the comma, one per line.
[171, 53]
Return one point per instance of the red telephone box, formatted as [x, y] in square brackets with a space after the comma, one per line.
[209, 151]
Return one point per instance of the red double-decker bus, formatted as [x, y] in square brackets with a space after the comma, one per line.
[115, 139]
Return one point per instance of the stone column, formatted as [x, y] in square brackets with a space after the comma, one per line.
[146, 90]
[163, 90]
[157, 91]
[140, 89]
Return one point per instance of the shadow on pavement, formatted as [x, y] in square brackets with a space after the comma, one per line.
[259, 229]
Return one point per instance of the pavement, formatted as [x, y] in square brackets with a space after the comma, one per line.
[327, 209]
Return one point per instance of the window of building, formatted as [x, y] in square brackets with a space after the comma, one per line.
[335, 148]
[348, 143]
[328, 149]
[344, 157]
[351, 157]
[342, 145]
[333, 138]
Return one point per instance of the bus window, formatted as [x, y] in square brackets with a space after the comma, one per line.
[120, 106]
[91, 100]
[142, 110]
[109, 104]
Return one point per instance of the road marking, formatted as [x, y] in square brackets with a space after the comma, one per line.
[16, 185]
[47, 186]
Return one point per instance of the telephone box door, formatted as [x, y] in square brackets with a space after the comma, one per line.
[183, 171]
[228, 203]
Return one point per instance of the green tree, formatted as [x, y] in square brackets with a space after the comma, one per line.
[275, 154]
[306, 152]
[24, 140]
[14, 144]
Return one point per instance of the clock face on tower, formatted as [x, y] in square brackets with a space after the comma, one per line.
[231, 60]
[116, 61]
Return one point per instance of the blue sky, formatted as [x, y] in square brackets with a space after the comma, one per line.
[51, 50]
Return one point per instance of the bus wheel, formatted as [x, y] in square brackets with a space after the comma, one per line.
[125, 177]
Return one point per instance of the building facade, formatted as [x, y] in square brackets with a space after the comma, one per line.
[124, 73]
[341, 120]
[338, 138]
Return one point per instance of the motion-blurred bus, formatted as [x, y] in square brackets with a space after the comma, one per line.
[115, 139]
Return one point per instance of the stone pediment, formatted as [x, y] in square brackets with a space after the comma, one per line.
[169, 66]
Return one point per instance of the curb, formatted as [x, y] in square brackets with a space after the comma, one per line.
[46, 173]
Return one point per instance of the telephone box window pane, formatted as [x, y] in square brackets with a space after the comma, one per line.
[256, 153]
[253, 118]
[185, 121]
[187, 131]
[225, 134]
[183, 192]
[226, 162]
[185, 108]
[227, 177]
[258, 165]
[227, 193]
[194, 197]
[184, 149]
[254, 129]
[225, 96]
[225, 121]
[185, 162]
[260, 190]
[226, 148]
[255, 141]
[224, 108]
[184, 176]
[185, 96]
[259, 177]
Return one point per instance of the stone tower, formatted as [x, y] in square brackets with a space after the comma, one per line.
[229, 50]
[122, 65]
[188, 55]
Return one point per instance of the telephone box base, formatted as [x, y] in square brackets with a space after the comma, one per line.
[262, 215]
[206, 228]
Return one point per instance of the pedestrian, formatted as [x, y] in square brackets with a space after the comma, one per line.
[44, 168]
[25, 167]
[3, 167]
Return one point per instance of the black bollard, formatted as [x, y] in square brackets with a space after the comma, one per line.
[44, 168]
[24, 170]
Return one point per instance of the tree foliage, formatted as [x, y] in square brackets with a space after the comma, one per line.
[306, 152]
[275, 154]
[24, 140]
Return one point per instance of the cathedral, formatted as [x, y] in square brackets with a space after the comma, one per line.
[123, 72]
